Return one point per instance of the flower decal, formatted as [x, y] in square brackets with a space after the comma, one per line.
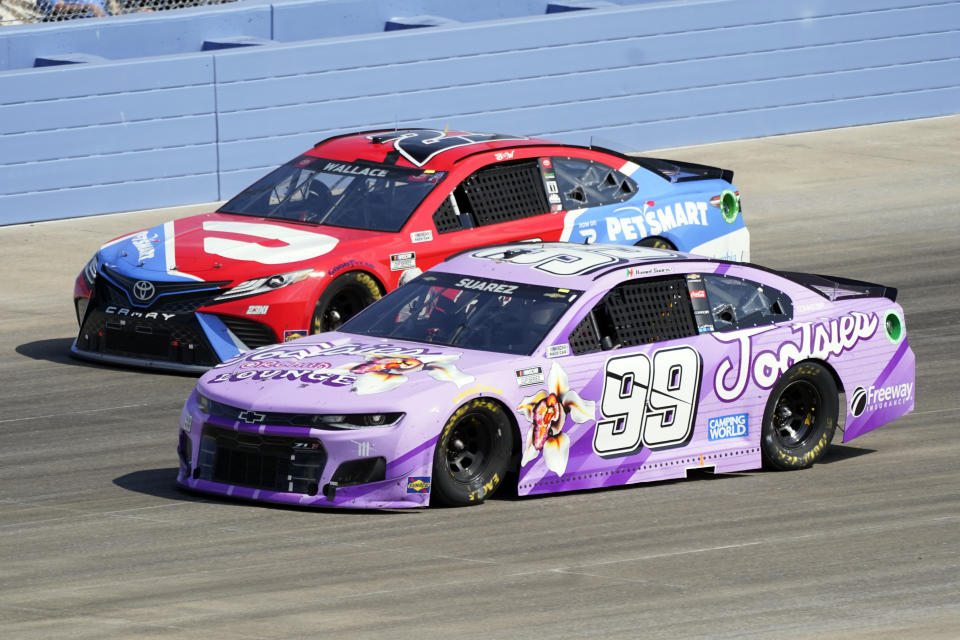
[547, 411]
[381, 373]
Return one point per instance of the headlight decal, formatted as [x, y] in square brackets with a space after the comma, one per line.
[257, 286]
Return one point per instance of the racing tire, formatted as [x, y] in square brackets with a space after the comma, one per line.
[656, 242]
[800, 417]
[343, 299]
[472, 455]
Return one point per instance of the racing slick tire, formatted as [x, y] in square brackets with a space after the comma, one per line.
[342, 299]
[472, 455]
[656, 242]
[800, 417]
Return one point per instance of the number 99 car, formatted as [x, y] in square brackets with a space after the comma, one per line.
[552, 367]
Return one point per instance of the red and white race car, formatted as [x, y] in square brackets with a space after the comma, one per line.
[331, 231]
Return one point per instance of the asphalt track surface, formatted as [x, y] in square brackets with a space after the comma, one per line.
[96, 542]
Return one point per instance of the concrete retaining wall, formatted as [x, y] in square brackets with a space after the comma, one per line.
[110, 133]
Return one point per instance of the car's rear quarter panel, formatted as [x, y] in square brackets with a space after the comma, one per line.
[739, 370]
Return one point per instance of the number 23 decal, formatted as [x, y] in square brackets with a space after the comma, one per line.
[646, 401]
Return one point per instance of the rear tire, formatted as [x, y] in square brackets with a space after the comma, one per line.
[472, 454]
[657, 243]
[800, 417]
[344, 298]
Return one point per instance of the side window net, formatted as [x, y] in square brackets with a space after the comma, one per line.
[505, 192]
[584, 338]
[634, 313]
[648, 311]
[446, 218]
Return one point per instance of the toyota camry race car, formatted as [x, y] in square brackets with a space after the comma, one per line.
[326, 234]
[558, 366]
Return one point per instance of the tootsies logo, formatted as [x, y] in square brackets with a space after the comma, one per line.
[811, 340]
[873, 398]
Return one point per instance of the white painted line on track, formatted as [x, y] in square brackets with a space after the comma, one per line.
[75, 413]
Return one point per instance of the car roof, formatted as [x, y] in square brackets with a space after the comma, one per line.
[427, 148]
[564, 264]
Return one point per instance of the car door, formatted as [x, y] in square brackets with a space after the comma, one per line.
[497, 203]
[635, 357]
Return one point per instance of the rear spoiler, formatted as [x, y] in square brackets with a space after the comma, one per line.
[836, 288]
[675, 170]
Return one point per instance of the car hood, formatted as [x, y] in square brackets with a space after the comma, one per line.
[346, 373]
[217, 246]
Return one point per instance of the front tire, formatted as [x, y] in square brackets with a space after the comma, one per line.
[800, 417]
[472, 454]
[344, 298]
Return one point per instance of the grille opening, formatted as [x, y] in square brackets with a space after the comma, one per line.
[360, 472]
[253, 334]
[273, 463]
[185, 449]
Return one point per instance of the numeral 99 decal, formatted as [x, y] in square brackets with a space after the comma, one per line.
[572, 260]
[648, 402]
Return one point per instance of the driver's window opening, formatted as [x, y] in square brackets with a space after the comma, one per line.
[634, 313]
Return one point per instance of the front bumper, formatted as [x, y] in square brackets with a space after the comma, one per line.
[169, 333]
[302, 466]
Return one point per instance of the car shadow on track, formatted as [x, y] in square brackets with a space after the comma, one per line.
[161, 483]
[58, 350]
[840, 452]
[508, 491]
[52, 350]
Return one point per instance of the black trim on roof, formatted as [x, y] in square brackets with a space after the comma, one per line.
[668, 169]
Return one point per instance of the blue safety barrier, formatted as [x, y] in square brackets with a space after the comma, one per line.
[190, 106]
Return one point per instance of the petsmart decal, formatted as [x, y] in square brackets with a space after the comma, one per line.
[633, 223]
[724, 427]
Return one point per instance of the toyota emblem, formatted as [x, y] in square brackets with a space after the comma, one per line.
[143, 290]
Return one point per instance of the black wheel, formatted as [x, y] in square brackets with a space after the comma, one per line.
[656, 242]
[342, 299]
[472, 454]
[800, 417]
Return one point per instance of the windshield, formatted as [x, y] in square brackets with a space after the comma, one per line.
[356, 195]
[469, 312]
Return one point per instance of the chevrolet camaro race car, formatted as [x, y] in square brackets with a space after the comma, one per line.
[559, 366]
[326, 234]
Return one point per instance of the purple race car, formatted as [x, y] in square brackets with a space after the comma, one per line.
[559, 366]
